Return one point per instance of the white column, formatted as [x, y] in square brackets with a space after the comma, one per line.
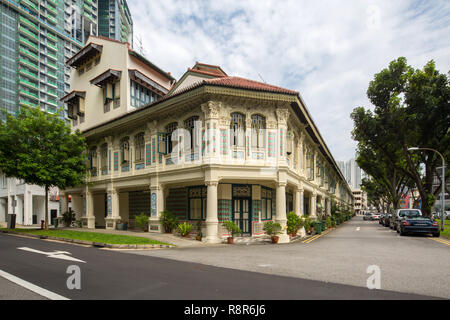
[156, 206]
[112, 208]
[281, 211]
[297, 202]
[313, 214]
[90, 217]
[212, 221]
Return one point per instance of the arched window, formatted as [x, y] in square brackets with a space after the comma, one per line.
[104, 156]
[237, 131]
[125, 150]
[139, 145]
[171, 141]
[258, 131]
[192, 141]
[93, 158]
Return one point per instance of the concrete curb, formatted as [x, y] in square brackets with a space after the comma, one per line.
[92, 243]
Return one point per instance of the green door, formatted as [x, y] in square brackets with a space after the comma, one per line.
[242, 215]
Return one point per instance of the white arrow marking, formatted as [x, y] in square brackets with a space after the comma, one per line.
[358, 228]
[64, 255]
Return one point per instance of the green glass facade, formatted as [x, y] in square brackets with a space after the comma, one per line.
[114, 20]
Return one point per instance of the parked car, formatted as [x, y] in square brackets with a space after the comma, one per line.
[411, 221]
[387, 220]
[381, 220]
[367, 216]
[375, 216]
[399, 213]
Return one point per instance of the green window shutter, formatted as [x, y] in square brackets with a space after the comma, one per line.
[162, 143]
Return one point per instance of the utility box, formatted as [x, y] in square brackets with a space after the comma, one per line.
[11, 221]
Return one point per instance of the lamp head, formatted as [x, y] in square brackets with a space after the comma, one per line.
[413, 148]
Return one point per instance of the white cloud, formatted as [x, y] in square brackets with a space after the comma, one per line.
[327, 50]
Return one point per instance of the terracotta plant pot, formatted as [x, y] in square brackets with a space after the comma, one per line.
[230, 240]
[275, 239]
[187, 236]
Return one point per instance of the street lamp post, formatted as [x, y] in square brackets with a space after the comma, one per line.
[442, 180]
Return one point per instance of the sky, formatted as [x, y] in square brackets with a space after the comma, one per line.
[328, 51]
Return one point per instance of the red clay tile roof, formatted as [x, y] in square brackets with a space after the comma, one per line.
[237, 82]
[214, 74]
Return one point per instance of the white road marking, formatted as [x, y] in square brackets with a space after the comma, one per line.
[40, 291]
[64, 255]
[358, 228]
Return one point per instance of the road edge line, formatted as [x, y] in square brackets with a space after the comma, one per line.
[28, 285]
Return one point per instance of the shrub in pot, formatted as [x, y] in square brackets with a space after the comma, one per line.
[185, 229]
[142, 221]
[232, 229]
[68, 217]
[199, 231]
[168, 221]
[272, 229]
[294, 223]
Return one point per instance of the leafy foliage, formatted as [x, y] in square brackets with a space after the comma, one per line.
[411, 109]
[184, 228]
[142, 221]
[232, 228]
[68, 217]
[272, 228]
[294, 223]
[39, 148]
[168, 221]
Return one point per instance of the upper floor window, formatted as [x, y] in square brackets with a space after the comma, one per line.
[125, 150]
[189, 126]
[237, 127]
[258, 131]
[93, 158]
[171, 141]
[139, 145]
[104, 156]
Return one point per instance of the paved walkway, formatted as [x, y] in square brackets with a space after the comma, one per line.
[177, 240]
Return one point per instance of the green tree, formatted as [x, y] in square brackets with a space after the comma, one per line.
[411, 109]
[39, 148]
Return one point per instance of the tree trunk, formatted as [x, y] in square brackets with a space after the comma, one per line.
[46, 208]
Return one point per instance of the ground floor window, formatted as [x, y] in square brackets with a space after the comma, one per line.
[266, 203]
[197, 203]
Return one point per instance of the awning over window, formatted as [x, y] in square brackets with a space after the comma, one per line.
[85, 54]
[74, 107]
[71, 96]
[147, 82]
[109, 76]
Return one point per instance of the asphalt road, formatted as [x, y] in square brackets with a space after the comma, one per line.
[110, 274]
[411, 264]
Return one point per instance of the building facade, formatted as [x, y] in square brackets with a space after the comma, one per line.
[209, 148]
[37, 37]
[114, 20]
[352, 173]
[360, 198]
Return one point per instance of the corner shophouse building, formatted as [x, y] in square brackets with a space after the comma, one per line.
[209, 147]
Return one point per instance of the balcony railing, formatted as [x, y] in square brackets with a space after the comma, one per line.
[28, 43]
[28, 33]
[28, 94]
[28, 73]
[29, 23]
[28, 53]
[28, 64]
[28, 84]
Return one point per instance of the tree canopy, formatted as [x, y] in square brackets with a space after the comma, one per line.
[411, 110]
[39, 148]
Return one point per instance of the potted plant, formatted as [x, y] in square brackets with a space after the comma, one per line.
[199, 231]
[142, 221]
[68, 217]
[272, 229]
[185, 229]
[307, 224]
[294, 223]
[233, 230]
[168, 221]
